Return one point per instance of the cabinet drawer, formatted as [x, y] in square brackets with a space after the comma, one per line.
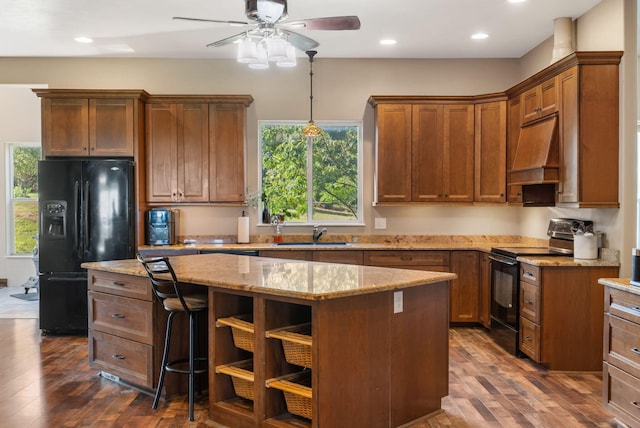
[530, 274]
[530, 302]
[122, 285]
[621, 395]
[131, 361]
[622, 304]
[342, 257]
[406, 258]
[622, 344]
[121, 316]
[530, 339]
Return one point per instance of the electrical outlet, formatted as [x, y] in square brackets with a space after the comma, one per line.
[397, 302]
[380, 223]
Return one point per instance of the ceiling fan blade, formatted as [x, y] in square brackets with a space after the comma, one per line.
[211, 20]
[228, 40]
[299, 41]
[330, 23]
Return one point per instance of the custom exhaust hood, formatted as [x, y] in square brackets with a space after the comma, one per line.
[536, 165]
[537, 154]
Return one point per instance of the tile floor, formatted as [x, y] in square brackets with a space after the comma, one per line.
[11, 307]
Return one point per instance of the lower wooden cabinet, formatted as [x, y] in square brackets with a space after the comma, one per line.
[126, 332]
[621, 367]
[465, 290]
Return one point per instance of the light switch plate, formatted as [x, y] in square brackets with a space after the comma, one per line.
[381, 223]
[397, 302]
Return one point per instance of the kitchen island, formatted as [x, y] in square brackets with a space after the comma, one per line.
[376, 339]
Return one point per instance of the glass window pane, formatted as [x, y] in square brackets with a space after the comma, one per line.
[25, 224]
[284, 171]
[335, 174]
[25, 172]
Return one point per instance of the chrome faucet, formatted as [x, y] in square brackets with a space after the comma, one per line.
[317, 233]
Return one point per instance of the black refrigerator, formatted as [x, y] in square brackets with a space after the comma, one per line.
[86, 210]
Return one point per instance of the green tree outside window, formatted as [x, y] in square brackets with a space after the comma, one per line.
[331, 163]
[23, 203]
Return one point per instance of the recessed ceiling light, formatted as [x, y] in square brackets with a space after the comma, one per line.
[388, 42]
[479, 36]
[83, 39]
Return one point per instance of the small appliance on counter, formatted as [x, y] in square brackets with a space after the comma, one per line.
[161, 226]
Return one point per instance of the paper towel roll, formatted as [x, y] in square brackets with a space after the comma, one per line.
[243, 230]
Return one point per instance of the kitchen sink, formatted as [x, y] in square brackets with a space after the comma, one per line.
[312, 244]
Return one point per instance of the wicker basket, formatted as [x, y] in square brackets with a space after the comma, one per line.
[241, 373]
[296, 343]
[296, 388]
[241, 329]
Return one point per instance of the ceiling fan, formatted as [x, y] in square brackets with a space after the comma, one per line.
[268, 18]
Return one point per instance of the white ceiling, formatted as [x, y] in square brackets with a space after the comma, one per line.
[144, 28]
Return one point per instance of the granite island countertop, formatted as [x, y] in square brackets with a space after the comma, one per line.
[280, 277]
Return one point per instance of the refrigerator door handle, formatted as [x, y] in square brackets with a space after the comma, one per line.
[76, 199]
[86, 217]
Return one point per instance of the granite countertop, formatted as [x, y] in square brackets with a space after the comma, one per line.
[290, 278]
[623, 284]
[482, 243]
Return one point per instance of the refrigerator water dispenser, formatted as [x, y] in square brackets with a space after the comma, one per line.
[54, 219]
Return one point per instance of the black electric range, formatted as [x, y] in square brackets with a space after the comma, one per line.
[513, 252]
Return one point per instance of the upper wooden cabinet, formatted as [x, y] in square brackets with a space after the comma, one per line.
[540, 101]
[91, 123]
[491, 152]
[424, 150]
[195, 148]
[586, 94]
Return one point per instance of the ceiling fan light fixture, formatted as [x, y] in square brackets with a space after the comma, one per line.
[247, 51]
[262, 60]
[276, 48]
[290, 60]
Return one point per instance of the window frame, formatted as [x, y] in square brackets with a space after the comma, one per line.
[359, 221]
[10, 200]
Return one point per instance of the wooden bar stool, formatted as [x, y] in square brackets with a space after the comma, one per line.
[168, 290]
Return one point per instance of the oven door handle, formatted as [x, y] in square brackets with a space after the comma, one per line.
[505, 261]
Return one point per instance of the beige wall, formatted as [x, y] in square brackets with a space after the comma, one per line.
[341, 90]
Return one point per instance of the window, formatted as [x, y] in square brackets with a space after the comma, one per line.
[312, 180]
[22, 206]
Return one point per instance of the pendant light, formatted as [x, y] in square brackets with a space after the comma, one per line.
[311, 130]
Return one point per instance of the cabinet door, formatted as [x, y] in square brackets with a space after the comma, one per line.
[426, 153]
[193, 152]
[540, 101]
[226, 150]
[393, 153]
[111, 127]
[162, 149]
[491, 152]
[458, 153]
[514, 123]
[465, 290]
[65, 126]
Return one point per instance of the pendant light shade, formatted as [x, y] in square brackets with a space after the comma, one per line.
[311, 130]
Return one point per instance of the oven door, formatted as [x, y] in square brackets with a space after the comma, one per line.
[505, 295]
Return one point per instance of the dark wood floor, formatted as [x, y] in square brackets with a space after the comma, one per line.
[46, 382]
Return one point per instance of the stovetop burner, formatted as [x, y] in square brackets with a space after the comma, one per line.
[529, 251]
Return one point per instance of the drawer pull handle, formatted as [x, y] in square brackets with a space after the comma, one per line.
[119, 284]
[636, 308]
[118, 356]
[529, 275]
[117, 316]
[635, 404]
[528, 302]
[406, 258]
[529, 338]
[635, 351]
